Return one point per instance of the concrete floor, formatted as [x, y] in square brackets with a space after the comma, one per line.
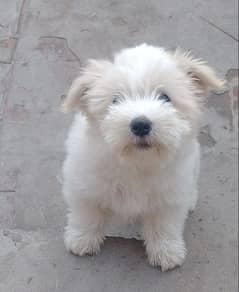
[42, 46]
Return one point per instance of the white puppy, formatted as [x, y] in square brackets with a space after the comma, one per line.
[132, 149]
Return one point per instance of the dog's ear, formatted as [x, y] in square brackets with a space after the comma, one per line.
[202, 75]
[78, 95]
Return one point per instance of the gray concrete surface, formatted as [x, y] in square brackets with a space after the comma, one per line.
[42, 46]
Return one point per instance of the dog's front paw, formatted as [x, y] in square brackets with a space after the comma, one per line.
[166, 253]
[80, 243]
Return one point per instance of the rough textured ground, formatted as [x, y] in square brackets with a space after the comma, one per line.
[42, 46]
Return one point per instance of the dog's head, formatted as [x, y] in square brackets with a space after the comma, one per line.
[146, 101]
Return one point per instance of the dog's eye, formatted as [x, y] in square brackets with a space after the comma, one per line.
[164, 97]
[117, 98]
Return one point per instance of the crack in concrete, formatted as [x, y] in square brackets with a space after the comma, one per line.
[7, 191]
[19, 22]
[67, 45]
[5, 62]
[16, 35]
[218, 28]
[9, 81]
[7, 49]
[6, 88]
[206, 138]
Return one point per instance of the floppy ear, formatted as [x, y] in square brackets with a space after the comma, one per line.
[78, 95]
[202, 75]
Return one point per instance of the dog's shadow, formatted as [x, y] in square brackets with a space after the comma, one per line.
[121, 248]
[115, 253]
[118, 255]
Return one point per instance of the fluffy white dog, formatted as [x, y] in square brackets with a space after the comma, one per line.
[132, 149]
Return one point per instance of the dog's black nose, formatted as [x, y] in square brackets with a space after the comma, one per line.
[141, 126]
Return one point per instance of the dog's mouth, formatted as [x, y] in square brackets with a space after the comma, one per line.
[143, 144]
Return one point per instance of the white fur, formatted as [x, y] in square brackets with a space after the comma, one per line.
[105, 171]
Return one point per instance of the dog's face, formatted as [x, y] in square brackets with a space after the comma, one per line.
[146, 101]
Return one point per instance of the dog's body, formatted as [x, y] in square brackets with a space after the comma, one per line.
[134, 150]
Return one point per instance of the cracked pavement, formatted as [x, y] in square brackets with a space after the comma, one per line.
[43, 44]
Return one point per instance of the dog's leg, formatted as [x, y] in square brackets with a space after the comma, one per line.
[85, 230]
[163, 235]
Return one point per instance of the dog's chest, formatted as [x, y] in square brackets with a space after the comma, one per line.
[134, 193]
